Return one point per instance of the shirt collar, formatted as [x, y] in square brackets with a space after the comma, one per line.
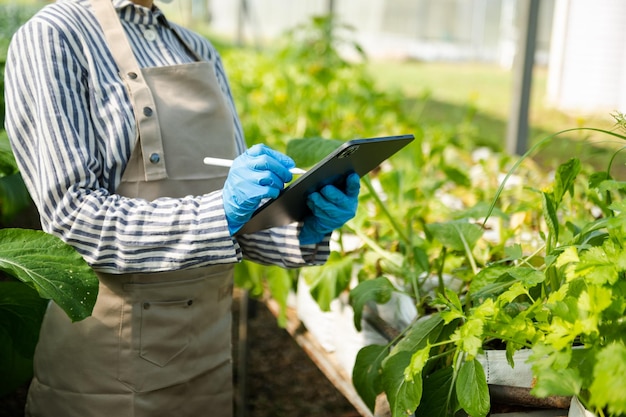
[135, 13]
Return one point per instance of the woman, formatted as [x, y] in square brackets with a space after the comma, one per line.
[110, 111]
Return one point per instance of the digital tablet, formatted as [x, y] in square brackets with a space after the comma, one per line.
[358, 155]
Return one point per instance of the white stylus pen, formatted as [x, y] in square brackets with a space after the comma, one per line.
[221, 162]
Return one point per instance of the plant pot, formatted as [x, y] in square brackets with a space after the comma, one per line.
[319, 323]
[576, 409]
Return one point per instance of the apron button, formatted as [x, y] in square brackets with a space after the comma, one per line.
[147, 111]
[190, 302]
[132, 75]
[146, 306]
[155, 158]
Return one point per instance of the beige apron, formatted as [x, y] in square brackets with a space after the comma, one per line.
[156, 344]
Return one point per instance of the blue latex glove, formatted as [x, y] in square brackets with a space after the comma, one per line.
[255, 175]
[331, 209]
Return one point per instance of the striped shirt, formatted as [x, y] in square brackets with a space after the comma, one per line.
[72, 130]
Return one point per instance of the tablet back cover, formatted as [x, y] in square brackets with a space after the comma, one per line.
[358, 155]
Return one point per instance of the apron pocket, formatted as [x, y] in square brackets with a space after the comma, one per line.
[164, 330]
[174, 327]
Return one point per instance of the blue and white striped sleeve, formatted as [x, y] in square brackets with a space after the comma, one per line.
[281, 246]
[66, 163]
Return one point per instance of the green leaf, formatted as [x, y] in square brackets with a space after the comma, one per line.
[418, 361]
[597, 267]
[457, 176]
[280, 284]
[596, 178]
[564, 179]
[378, 290]
[452, 300]
[472, 390]
[514, 252]
[14, 197]
[329, 280]
[608, 388]
[21, 313]
[456, 233]
[251, 277]
[528, 276]
[469, 336]
[480, 211]
[438, 399]
[404, 392]
[404, 389]
[52, 267]
[366, 373]
[490, 281]
[8, 165]
[564, 382]
[553, 376]
[549, 214]
[512, 293]
[423, 330]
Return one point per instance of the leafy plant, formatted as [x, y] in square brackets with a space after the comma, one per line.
[313, 92]
[560, 294]
[482, 276]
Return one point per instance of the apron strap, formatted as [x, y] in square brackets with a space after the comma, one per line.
[183, 42]
[146, 116]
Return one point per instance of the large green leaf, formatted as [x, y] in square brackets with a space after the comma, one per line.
[404, 389]
[14, 197]
[251, 277]
[490, 281]
[456, 234]
[329, 280]
[564, 179]
[378, 290]
[257, 279]
[8, 165]
[550, 214]
[425, 329]
[366, 373]
[21, 313]
[52, 267]
[438, 397]
[472, 390]
[404, 392]
[609, 387]
[280, 282]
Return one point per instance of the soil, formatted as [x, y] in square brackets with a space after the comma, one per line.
[280, 379]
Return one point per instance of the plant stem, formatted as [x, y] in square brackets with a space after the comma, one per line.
[468, 251]
[385, 211]
[442, 257]
[372, 244]
[532, 150]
